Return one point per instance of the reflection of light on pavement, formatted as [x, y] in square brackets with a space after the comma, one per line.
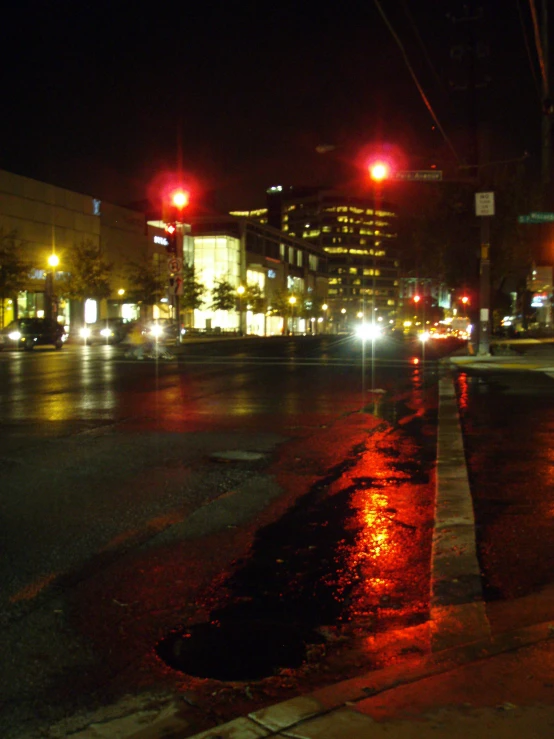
[463, 391]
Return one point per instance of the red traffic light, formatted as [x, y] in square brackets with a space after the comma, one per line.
[171, 237]
[465, 299]
[379, 171]
[416, 298]
[180, 198]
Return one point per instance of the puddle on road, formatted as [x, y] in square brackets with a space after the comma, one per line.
[353, 553]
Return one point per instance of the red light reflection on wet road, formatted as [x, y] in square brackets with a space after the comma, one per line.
[386, 571]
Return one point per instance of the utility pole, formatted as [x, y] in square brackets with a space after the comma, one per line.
[474, 48]
[547, 110]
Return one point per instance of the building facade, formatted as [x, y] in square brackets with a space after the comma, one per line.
[359, 237]
[246, 253]
[39, 219]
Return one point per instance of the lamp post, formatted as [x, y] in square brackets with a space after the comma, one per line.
[324, 308]
[51, 306]
[240, 292]
[292, 302]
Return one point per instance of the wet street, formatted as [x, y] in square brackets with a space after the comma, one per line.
[247, 521]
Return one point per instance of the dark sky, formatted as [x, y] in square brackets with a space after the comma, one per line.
[105, 97]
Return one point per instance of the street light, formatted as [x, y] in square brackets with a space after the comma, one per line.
[51, 308]
[292, 301]
[240, 292]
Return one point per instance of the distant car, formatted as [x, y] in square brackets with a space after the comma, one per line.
[106, 331]
[26, 333]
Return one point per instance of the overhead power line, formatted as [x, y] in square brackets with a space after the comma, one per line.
[416, 81]
[538, 44]
[528, 49]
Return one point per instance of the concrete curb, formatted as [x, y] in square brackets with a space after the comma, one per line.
[457, 606]
[289, 715]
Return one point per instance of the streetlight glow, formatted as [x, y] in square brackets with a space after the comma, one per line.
[240, 289]
[53, 260]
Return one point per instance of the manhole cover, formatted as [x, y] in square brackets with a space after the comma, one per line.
[245, 650]
[238, 456]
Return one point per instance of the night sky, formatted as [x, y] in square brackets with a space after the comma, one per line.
[106, 97]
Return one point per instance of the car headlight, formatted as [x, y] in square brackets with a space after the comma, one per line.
[15, 335]
[84, 333]
[423, 336]
[368, 332]
[106, 332]
[156, 331]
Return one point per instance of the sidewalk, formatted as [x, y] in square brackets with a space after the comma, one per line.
[509, 354]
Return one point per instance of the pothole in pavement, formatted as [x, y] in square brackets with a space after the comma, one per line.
[236, 650]
[330, 563]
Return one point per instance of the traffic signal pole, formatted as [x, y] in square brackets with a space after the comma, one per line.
[484, 288]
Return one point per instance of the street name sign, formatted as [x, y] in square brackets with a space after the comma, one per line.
[484, 203]
[536, 217]
[419, 175]
[542, 217]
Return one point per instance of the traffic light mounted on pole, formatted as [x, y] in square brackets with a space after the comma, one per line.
[171, 237]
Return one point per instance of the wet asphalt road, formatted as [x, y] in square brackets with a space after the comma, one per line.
[122, 532]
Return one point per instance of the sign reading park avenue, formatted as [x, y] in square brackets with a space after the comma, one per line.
[536, 217]
[419, 175]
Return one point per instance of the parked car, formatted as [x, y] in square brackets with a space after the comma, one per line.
[26, 333]
[106, 331]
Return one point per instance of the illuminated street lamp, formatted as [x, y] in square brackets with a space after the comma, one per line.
[292, 303]
[51, 307]
[240, 292]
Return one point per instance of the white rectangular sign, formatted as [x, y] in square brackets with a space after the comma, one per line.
[484, 203]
